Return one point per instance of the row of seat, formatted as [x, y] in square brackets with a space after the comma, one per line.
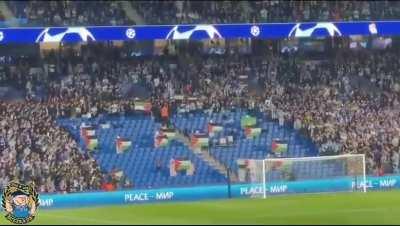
[139, 162]
[243, 148]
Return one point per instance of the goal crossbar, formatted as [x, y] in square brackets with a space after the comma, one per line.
[315, 157]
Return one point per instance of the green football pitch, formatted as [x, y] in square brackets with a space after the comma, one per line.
[341, 208]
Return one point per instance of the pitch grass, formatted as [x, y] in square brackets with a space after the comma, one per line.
[344, 208]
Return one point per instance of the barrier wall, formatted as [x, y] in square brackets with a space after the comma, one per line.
[197, 31]
[210, 192]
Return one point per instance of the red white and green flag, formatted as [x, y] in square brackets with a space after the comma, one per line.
[118, 174]
[279, 146]
[242, 163]
[182, 165]
[87, 131]
[214, 128]
[199, 141]
[142, 106]
[170, 133]
[252, 132]
[161, 141]
[122, 145]
[91, 142]
[248, 121]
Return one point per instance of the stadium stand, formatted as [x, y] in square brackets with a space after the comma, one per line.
[340, 101]
[69, 13]
[139, 162]
[292, 108]
[34, 148]
[189, 12]
[63, 13]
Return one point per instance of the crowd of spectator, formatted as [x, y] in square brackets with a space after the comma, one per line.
[285, 11]
[184, 12]
[189, 12]
[319, 99]
[33, 148]
[67, 13]
[70, 13]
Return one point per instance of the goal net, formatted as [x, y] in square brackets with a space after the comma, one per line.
[338, 173]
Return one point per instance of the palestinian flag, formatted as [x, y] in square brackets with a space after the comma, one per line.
[87, 131]
[252, 132]
[199, 141]
[248, 121]
[284, 166]
[279, 146]
[118, 174]
[161, 141]
[90, 133]
[122, 145]
[214, 128]
[142, 106]
[91, 142]
[182, 165]
[170, 133]
[242, 163]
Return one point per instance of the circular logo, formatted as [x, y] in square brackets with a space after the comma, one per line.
[255, 30]
[20, 202]
[1, 36]
[130, 33]
[372, 28]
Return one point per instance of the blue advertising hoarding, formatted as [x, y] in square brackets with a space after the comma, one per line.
[197, 32]
[211, 192]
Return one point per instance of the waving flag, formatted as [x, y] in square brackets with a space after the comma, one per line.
[170, 133]
[214, 128]
[118, 174]
[199, 140]
[87, 131]
[279, 146]
[88, 135]
[252, 132]
[177, 165]
[242, 163]
[91, 142]
[248, 121]
[161, 141]
[122, 145]
[142, 106]
[182, 164]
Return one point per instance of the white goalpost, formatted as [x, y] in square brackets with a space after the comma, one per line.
[338, 173]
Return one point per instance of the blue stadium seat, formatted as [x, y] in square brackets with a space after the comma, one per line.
[139, 162]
